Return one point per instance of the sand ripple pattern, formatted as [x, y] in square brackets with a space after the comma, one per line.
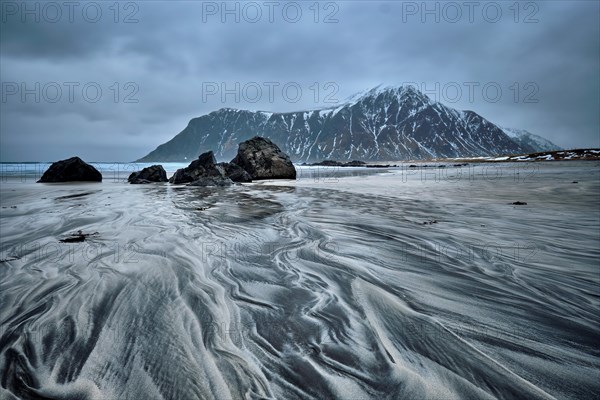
[303, 292]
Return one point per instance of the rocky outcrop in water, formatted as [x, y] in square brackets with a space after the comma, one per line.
[353, 163]
[73, 169]
[154, 173]
[206, 172]
[258, 158]
[204, 166]
[236, 173]
[263, 159]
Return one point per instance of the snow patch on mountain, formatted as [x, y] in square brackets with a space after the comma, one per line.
[528, 139]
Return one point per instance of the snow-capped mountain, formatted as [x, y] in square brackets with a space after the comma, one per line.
[528, 139]
[392, 123]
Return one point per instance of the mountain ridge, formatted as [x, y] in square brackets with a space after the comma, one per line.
[524, 137]
[379, 124]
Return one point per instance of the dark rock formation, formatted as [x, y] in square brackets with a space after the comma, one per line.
[206, 172]
[204, 166]
[235, 172]
[257, 158]
[180, 176]
[329, 163]
[355, 163]
[154, 173]
[333, 163]
[77, 237]
[73, 169]
[262, 159]
[207, 160]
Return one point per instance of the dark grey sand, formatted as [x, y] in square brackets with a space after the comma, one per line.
[408, 283]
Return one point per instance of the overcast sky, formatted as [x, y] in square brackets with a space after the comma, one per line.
[158, 64]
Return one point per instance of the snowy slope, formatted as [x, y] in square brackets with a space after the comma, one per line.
[528, 139]
[383, 123]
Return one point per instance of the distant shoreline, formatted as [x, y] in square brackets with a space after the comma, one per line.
[555, 155]
[587, 154]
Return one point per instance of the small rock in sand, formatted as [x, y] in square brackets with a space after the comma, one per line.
[77, 237]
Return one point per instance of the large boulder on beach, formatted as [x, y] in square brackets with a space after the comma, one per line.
[180, 176]
[204, 166]
[154, 173]
[206, 160]
[73, 169]
[235, 172]
[263, 159]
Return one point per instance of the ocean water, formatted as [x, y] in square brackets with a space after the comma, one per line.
[402, 283]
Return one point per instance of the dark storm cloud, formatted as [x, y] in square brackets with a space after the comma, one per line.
[174, 50]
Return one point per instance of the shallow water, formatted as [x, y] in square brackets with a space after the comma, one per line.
[416, 283]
